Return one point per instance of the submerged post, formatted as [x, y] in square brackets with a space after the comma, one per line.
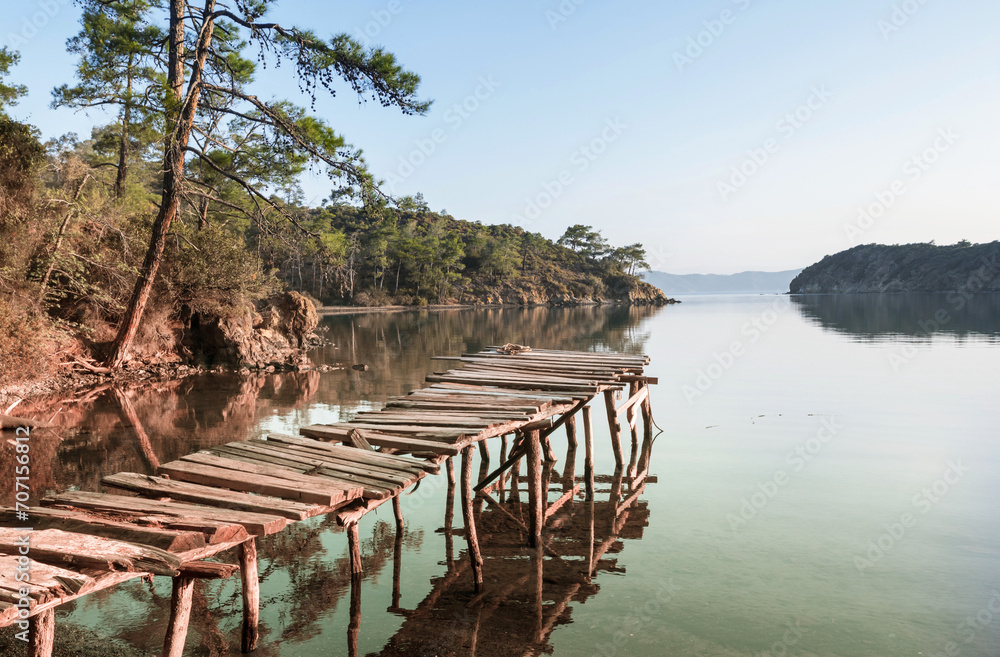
[571, 430]
[630, 419]
[588, 463]
[251, 594]
[180, 616]
[647, 431]
[42, 634]
[616, 430]
[354, 546]
[536, 502]
[469, 519]
[397, 511]
[354, 623]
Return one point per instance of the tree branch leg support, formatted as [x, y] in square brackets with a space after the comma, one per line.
[42, 633]
[616, 430]
[251, 595]
[469, 519]
[180, 616]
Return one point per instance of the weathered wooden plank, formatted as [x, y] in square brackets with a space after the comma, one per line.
[266, 477]
[405, 443]
[560, 393]
[328, 468]
[353, 453]
[637, 398]
[45, 582]
[82, 523]
[371, 488]
[250, 481]
[212, 496]
[207, 569]
[314, 460]
[54, 546]
[255, 523]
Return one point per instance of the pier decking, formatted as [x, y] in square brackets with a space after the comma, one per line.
[221, 498]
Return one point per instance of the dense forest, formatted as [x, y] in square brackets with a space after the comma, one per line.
[960, 269]
[188, 202]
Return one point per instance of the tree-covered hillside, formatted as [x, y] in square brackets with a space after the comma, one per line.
[188, 202]
[962, 268]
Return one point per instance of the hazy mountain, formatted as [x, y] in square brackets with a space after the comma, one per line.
[747, 282]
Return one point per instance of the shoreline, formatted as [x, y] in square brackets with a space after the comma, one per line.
[357, 310]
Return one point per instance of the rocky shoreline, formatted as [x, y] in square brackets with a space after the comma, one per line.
[274, 338]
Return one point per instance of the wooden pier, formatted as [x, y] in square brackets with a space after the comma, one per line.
[223, 498]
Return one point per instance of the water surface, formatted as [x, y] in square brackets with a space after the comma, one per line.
[826, 484]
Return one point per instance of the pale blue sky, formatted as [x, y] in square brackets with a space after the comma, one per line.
[668, 138]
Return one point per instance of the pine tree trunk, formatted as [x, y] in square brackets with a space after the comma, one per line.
[123, 146]
[179, 131]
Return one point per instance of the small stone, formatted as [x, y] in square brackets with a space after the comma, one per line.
[361, 367]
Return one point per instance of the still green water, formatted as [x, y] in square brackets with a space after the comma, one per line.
[827, 484]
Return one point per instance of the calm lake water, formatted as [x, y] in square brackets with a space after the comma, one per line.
[827, 483]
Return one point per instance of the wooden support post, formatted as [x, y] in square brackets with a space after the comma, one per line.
[630, 419]
[484, 454]
[354, 623]
[588, 463]
[180, 616]
[354, 546]
[397, 511]
[251, 594]
[468, 517]
[569, 470]
[449, 516]
[547, 451]
[451, 472]
[42, 633]
[616, 430]
[647, 431]
[571, 430]
[397, 567]
[591, 513]
[539, 564]
[514, 494]
[503, 459]
[536, 501]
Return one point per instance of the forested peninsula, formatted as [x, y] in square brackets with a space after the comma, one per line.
[961, 268]
[178, 233]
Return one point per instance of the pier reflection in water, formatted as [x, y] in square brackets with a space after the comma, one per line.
[307, 593]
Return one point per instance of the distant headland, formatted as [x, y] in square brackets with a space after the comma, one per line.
[963, 268]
